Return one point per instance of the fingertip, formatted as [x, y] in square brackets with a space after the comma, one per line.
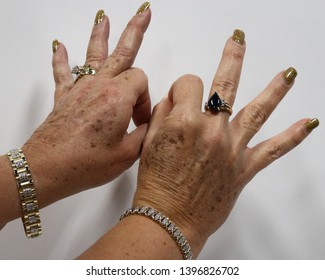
[143, 8]
[99, 17]
[55, 45]
[238, 37]
[143, 18]
[310, 124]
[60, 53]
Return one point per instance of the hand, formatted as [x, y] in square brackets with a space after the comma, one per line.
[194, 165]
[84, 141]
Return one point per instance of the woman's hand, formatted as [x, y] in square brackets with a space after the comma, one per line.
[84, 141]
[194, 165]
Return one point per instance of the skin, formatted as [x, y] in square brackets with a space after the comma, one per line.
[195, 164]
[84, 142]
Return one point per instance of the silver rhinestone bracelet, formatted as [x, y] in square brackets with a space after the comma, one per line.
[166, 223]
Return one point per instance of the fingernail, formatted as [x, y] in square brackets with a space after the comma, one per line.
[289, 75]
[145, 6]
[99, 17]
[239, 36]
[55, 45]
[311, 125]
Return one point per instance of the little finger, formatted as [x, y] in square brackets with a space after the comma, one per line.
[270, 150]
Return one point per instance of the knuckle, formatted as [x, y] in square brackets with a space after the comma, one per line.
[59, 78]
[185, 123]
[255, 116]
[274, 151]
[140, 73]
[215, 141]
[279, 90]
[233, 54]
[225, 83]
[190, 78]
[123, 51]
[94, 58]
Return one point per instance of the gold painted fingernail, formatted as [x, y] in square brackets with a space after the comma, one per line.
[311, 125]
[239, 36]
[55, 45]
[289, 75]
[145, 6]
[99, 17]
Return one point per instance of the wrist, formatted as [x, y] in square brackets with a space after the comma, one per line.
[134, 238]
[50, 182]
[10, 208]
[194, 238]
[165, 223]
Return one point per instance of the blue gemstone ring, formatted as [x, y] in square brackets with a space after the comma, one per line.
[215, 105]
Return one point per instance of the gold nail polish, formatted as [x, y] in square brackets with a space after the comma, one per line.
[99, 17]
[55, 45]
[239, 36]
[145, 6]
[311, 125]
[289, 75]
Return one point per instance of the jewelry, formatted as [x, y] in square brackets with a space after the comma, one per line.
[167, 224]
[27, 193]
[81, 71]
[215, 104]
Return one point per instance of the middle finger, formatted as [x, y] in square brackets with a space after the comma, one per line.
[97, 51]
[127, 48]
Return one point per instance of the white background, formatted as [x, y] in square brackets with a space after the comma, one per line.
[280, 214]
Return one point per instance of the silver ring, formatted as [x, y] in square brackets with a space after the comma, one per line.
[81, 71]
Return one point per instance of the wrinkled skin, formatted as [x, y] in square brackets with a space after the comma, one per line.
[84, 141]
[195, 164]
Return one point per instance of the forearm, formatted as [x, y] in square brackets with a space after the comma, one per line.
[135, 237]
[10, 206]
[47, 190]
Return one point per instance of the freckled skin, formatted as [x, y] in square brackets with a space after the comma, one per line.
[87, 129]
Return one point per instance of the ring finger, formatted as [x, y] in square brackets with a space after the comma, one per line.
[226, 79]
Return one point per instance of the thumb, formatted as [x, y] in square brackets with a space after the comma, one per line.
[133, 141]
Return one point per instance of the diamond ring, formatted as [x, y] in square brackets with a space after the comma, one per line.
[81, 71]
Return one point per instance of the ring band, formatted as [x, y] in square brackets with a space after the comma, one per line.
[215, 105]
[81, 71]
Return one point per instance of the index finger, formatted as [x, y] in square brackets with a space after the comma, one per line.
[130, 41]
[186, 93]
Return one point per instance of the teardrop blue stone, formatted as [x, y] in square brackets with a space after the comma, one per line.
[214, 102]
